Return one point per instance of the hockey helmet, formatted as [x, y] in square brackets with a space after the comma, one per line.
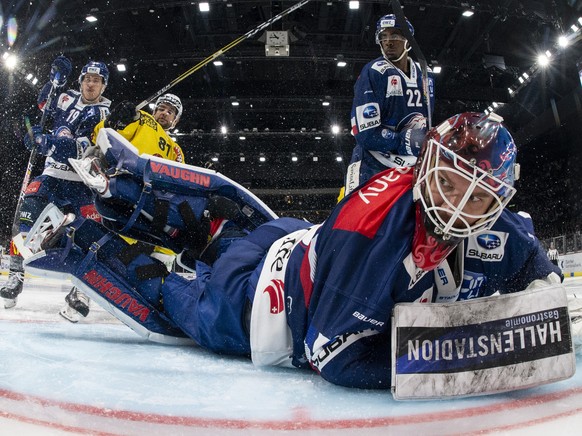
[479, 151]
[172, 100]
[94, 67]
[387, 22]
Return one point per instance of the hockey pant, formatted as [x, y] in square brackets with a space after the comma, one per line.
[168, 203]
[213, 309]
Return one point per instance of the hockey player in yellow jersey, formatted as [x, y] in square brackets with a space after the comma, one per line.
[148, 133]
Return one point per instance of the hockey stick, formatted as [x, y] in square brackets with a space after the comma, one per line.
[32, 158]
[223, 50]
[401, 19]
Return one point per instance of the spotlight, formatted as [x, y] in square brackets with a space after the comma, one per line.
[91, 18]
[204, 6]
[543, 60]
[10, 61]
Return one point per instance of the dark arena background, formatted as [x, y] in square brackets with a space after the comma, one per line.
[521, 59]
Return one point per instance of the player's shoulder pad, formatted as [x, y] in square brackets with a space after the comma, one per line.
[381, 66]
[365, 209]
[518, 225]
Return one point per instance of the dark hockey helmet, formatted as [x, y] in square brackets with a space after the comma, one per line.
[387, 22]
[94, 67]
[477, 148]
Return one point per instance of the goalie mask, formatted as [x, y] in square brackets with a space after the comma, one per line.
[463, 180]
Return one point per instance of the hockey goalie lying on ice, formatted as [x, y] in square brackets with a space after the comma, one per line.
[394, 290]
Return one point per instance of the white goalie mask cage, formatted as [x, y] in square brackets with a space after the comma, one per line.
[487, 166]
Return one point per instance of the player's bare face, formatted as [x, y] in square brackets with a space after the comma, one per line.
[392, 43]
[449, 192]
[165, 114]
[92, 87]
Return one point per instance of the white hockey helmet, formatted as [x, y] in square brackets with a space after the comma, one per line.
[172, 100]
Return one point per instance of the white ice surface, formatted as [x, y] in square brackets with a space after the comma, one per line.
[98, 377]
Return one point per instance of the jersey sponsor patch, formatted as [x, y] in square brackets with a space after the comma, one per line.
[324, 350]
[368, 116]
[65, 100]
[488, 246]
[471, 285]
[89, 211]
[381, 66]
[394, 86]
[32, 188]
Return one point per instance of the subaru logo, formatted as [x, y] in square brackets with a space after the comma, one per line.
[370, 112]
[488, 241]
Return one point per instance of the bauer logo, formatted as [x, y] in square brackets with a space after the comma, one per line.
[489, 247]
[368, 116]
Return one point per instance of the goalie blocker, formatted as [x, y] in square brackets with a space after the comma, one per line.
[481, 346]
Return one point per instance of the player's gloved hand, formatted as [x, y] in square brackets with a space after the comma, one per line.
[60, 70]
[411, 141]
[35, 139]
[122, 115]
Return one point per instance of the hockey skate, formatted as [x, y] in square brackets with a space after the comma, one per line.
[91, 172]
[77, 306]
[12, 289]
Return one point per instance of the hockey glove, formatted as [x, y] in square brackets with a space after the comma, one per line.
[47, 144]
[122, 115]
[411, 141]
[60, 70]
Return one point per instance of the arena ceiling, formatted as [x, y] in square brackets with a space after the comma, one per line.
[281, 99]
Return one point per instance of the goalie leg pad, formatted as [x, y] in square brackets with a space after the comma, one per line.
[176, 178]
[128, 287]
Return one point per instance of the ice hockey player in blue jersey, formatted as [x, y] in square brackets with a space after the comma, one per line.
[320, 296]
[74, 114]
[389, 109]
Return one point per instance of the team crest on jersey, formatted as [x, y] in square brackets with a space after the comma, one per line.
[488, 246]
[394, 87]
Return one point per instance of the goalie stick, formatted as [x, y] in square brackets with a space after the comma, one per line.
[401, 19]
[223, 50]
